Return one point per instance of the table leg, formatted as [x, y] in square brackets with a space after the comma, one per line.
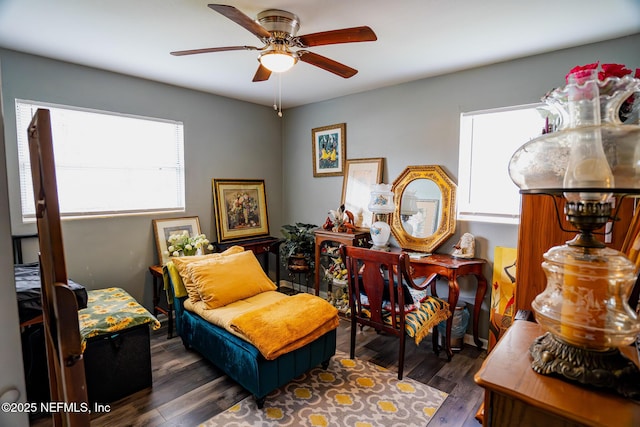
[480, 293]
[276, 252]
[454, 293]
[157, 288]
[316, 283]
[156, 298]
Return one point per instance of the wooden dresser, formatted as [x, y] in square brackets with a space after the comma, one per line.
[517, 396]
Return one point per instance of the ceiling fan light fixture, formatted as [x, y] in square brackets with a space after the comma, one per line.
[277, 30]
[278, 61]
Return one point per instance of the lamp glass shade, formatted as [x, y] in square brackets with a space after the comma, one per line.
[542, 164]
[408, 205]
[591, 150]
[381, 200]
[278, 61]
[381, 204]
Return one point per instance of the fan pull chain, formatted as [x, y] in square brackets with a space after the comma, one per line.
[277, 98]
[279, 94]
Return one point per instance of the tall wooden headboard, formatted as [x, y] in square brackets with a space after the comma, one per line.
[59, 307]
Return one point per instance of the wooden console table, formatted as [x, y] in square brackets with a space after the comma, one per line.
[451, 268]
[447, 266]
[518, 396]
[261, 246]
[359, 238]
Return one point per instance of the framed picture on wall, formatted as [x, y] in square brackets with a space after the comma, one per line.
[240, 209]
[359, 176]
[329, 150]
[165, 228]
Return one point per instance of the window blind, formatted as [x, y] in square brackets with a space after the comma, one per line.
[106, 163]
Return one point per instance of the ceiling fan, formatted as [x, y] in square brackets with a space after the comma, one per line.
[277, 30]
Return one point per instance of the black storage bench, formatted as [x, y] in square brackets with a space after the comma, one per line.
[117, 355]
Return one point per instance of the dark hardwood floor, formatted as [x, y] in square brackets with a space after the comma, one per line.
[187, 390]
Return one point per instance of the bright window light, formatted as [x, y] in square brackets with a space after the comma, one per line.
[488, 139]
[106, 163]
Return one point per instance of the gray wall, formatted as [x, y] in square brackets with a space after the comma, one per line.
[224, 138]
[417, 123]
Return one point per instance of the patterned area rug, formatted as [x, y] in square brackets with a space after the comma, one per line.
[349, 393]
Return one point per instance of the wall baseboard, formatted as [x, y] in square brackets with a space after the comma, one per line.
[468, 339]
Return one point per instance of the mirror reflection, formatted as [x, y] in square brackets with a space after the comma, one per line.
[424, 216]
[420, 208]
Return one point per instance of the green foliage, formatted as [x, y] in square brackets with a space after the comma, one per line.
[299, 239]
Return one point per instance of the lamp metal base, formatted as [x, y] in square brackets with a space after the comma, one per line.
[608, 369]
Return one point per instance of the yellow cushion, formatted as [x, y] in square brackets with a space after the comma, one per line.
[221, 281]
[181, 264]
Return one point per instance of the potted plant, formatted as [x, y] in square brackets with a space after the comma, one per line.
[298, 249]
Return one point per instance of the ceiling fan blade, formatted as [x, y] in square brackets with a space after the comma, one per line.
[345, 35]
[262, 74]
[241, 19]
[212, 49]
[327, 64]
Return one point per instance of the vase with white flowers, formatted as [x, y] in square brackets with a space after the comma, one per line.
[182, 244]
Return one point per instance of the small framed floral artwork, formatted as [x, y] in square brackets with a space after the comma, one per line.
[168, 229]
[240, 209]
[329, 147]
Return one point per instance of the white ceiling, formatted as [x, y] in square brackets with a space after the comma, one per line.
[416, 39]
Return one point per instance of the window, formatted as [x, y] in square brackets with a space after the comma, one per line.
[488, 139]
[106, 163]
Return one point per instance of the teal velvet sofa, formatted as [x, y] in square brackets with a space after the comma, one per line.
[241, 360]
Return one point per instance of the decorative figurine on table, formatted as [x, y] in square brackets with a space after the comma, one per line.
[340, 220]
[466, 247]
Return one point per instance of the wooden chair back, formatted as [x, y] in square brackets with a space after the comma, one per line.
[375, 277]
[380, 276]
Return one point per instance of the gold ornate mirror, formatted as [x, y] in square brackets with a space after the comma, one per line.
[425, 199]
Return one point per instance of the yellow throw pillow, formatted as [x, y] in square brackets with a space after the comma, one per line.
[181, 264]
[224, 280]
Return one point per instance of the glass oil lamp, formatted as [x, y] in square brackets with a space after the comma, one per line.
[584, 308]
